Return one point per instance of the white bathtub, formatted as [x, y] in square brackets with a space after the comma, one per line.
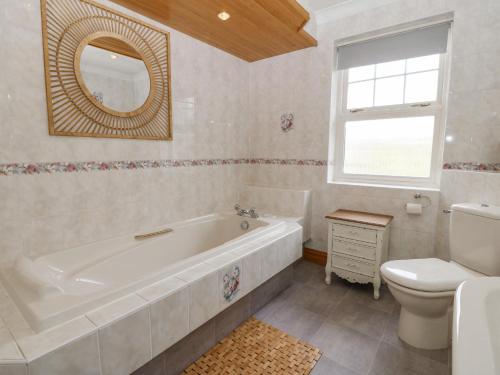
[58, 287]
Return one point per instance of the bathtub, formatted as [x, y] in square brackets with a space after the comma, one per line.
[58, 287]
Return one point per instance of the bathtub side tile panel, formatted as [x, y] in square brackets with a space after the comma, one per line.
[81, 357]
[252, 271]
[169, 320]
[126, 345]
[38, 345]
[13, 370]
[270, 259]
[196, 272]
[116, 310]
[203, 300]
[162, 289]
[290, 248]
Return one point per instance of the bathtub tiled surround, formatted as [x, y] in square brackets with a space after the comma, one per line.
[190, 348]
[122, 336]
[281, 202]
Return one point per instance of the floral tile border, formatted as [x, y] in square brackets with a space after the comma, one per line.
[304, 162]
[92, 166]
[471, 166]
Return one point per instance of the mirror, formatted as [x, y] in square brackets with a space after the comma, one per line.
[107, 75]
[114, 74]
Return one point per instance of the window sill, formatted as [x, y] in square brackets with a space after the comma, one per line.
[384, 186]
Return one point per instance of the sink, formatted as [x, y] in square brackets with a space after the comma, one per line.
[476, 327]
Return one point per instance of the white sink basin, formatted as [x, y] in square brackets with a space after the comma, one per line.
[476, 327]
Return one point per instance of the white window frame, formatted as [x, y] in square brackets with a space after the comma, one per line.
[436, 109]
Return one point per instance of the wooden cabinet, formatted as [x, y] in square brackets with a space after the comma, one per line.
[358, 243]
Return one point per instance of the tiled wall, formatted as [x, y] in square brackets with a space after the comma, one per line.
[48, 212]
[225, 108]
[300, 83]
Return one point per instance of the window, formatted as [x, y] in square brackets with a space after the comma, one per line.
[389, 121]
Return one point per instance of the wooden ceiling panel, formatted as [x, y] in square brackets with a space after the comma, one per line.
[257, 29]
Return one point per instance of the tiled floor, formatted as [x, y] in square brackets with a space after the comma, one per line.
[356, 334]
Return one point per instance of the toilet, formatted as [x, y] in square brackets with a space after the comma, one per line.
[425, 287]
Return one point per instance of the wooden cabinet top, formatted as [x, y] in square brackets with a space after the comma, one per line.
[361, 217]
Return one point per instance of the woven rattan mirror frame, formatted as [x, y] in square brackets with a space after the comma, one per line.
[68, 26]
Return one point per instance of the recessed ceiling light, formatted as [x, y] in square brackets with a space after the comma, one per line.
[114, 57]
[224, 16]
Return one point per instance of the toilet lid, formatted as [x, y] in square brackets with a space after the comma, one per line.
[428, 275]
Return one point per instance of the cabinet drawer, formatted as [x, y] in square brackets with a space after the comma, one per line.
[356, 250]
[355, 233]
[353, 265]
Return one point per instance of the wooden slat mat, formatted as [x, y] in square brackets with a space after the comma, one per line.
[257, 348]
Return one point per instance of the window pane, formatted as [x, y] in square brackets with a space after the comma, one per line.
[389, 91]
[421, 87]
[362, 73]
[392, 68]
[360, 95]
[389, 147]
[419, 64]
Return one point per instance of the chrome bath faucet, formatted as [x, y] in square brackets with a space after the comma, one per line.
[251, 212]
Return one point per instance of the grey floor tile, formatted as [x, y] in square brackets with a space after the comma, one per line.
[320, 299]
[346, 346]
[296, 321]
[304, 271]
[391, 360]
[390, 336]
[364, 295]
[358, 316]
[326, 366]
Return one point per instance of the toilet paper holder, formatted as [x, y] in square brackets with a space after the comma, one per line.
[421, 196]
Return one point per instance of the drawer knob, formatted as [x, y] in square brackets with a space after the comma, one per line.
[353, 233]
[352, 265]
[352, 249]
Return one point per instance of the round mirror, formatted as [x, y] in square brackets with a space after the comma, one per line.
[114, 74]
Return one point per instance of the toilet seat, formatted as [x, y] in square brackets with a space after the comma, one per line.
[427, 275]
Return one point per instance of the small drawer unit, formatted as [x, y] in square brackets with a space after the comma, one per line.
[350, 232]
[358, 243]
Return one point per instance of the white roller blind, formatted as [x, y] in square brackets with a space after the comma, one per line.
[415, 43]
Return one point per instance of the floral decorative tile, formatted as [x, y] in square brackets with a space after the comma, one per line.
[231, 283]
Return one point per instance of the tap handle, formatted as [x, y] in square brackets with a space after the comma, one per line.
[237, 207]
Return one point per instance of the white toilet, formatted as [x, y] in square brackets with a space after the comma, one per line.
[425, 287]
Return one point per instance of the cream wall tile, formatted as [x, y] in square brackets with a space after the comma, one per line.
[125, 345]
[13, 370]
[270, 260]
[169, 320]
[81, 357]
[252, 275]
[162, 289]
[203, 300]
[118, 309]
[196, 272]
[38, 345]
